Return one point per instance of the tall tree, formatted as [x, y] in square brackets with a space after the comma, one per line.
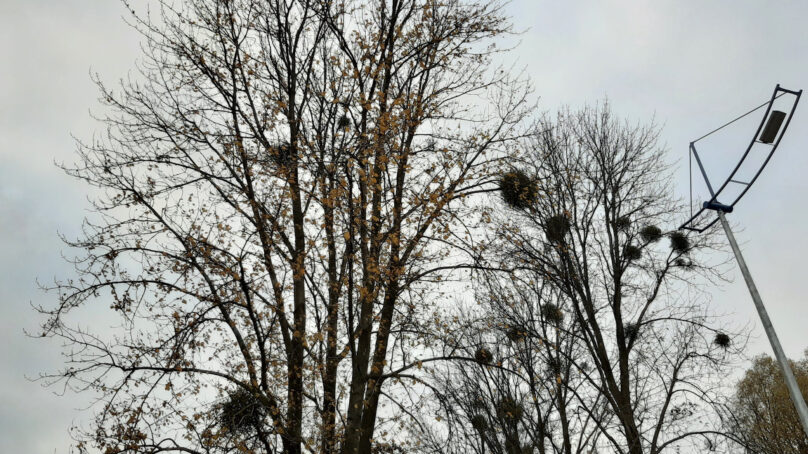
[762, 416]
[279, 183]
[589, 233]
[520, 393]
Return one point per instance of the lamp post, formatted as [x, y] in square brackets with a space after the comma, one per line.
[770, 135]
[788, 374]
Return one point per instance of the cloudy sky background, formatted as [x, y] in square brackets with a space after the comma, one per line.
[693, 64]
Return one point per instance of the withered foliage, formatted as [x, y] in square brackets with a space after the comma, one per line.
[282, 182]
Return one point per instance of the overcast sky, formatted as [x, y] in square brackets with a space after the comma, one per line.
[693, 64]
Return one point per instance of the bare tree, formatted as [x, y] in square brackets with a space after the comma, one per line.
[606, 291]
[279, 184]
[520, 393]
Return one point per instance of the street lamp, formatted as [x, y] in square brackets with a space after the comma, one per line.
[776, 122]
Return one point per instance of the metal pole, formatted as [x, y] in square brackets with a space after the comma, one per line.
[791, 382]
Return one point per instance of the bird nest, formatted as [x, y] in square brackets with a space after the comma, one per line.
[241, 412]
[344, 122]
[679, 242]
[684, 263]
[632, 253]
[650, 234]
[631, 331]
[554, 364]
[281, 154]
[479, 422]
[722, 340]
[518, 189]
[556, 227]
[483, 355]
[623, 223]
[508, 409]
[552, 313]
[515, 333]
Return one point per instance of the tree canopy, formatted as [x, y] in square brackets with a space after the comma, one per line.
[279, 182]
[595, 327]
[762, 415]
[293, 195]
